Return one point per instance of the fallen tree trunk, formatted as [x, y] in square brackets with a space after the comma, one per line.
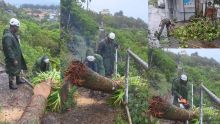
[79, 74]
[35, 109]
[161, 109]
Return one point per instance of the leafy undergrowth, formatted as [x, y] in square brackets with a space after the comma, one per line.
[117, 98]
[70, 100]
[210, 116]
[120, 120]
[54, 75]
[54, 99]
[201, 30]
[138, 95]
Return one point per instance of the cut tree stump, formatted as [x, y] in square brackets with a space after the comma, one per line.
[162, 109]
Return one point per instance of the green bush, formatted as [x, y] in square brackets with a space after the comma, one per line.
[138, 95]
[201, 30]
[158, 59]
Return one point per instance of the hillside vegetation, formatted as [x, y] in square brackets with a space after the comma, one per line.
[80, 31]
[37, 38]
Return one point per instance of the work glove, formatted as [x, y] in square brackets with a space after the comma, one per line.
[15, 62]
[116, 46]
[180, 97]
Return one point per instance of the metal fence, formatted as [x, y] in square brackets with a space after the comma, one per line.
[143, 64]
[211, 95]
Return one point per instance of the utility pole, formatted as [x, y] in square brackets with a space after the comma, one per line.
[87, 5]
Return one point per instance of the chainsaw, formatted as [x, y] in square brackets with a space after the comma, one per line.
[183, 103]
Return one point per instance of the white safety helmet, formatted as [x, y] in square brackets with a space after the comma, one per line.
[183, 77]
[14, 22]
[111, 35]
[90, 58]
[46, 60]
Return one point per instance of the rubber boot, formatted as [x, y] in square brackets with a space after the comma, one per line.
[19, 80]
[91, 93]
[12, 83]
[102, 94]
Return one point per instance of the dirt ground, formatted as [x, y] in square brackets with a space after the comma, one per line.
[89, 110]
[204, 44]
[175, 43]
[12, 102]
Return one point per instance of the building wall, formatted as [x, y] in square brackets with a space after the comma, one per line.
[176, 9]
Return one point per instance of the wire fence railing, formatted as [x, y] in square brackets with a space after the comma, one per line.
[137, 59]
[211, 95]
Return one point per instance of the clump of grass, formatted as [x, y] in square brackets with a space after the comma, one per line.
[117, 97]
[70, 102]
[120, 120]
[54, 100]
[54, 75]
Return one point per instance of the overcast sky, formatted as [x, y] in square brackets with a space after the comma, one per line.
[41, 2]
[209, 53]
[131, 8]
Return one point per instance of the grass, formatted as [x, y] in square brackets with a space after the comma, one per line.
[70, 101]
[120, 120]
[54, 99]
[117, 97]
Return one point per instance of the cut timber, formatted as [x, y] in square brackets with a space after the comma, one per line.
[79, 74]
[162, 109]
[35, 109]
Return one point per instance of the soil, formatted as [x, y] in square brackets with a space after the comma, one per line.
[89, 110]
[172, 42]
[204, 44]
[12, 102]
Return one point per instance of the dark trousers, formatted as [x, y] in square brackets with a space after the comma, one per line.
[161, 30]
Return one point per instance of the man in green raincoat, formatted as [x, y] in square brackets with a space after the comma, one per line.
[98, 65]
[107, 49]
[14, 59]
[98, 61]
[180, 89]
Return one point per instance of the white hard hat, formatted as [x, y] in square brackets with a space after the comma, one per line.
[46, 60]
[183, 77]
[14, 22]
[111, 35]
[90, 58]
